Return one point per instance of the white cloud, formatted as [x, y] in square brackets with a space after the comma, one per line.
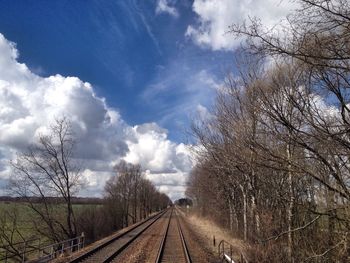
[175, 191]
[29, 103]
[94, 182]
[164, 6]
[203, 113]
[215, 16]
[179, 81]
[208, 80]
[166, 163]
[155, 152]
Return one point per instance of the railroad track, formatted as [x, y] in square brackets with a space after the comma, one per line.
[109, 250]
[173, 246]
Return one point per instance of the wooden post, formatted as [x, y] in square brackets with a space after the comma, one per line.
[24, 251]
[83, 239]
[52, 251]
[39, 255]
[223, 248]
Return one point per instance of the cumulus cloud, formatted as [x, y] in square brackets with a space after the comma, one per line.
[29, 103]
[215, 16]
[155, 152]
[164, 6]
[167, 163]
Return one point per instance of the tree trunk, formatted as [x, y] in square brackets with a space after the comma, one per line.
[255, 215]
[245, 208]
[331, 224]
[290, 206]
[231, 214]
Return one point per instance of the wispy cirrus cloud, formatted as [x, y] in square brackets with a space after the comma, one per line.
[165, 6]
[178, 91]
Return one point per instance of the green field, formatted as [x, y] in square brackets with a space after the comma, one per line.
[25, 215]
[16, 215]
[17, 222]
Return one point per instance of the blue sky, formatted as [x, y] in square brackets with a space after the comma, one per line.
[130, 75]
[124, 49]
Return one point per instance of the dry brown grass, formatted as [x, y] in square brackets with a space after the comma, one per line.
[209, 229]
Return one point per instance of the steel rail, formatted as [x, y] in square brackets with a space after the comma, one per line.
[162, 243]
[118, 251]
[184, 245]
[183, 242]
[114, 239]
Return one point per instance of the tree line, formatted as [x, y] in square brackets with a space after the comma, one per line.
[128, 198]
[75, 199]
[46, 178]
[273, 157]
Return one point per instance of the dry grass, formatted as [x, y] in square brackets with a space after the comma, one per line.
[208, 229]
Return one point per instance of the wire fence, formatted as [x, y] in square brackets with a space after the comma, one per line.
[34, 250]
[229, 253]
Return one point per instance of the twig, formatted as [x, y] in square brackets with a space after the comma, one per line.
[328, 250]
[293, 230]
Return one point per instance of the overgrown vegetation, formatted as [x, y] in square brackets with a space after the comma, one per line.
[273, 166]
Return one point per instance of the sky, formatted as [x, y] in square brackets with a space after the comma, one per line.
[130, 75]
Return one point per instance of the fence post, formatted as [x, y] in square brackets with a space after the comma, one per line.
[52, 251]
[39, 248]
[79, 241]
[223, 249]
[219, 248]
[83, 239]
[24, 251]
[62, 248]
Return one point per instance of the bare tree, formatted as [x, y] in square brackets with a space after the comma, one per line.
[131, 196]
[269, 138]
[47, 176]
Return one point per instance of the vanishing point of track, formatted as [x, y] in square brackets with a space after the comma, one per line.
[172, 246]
